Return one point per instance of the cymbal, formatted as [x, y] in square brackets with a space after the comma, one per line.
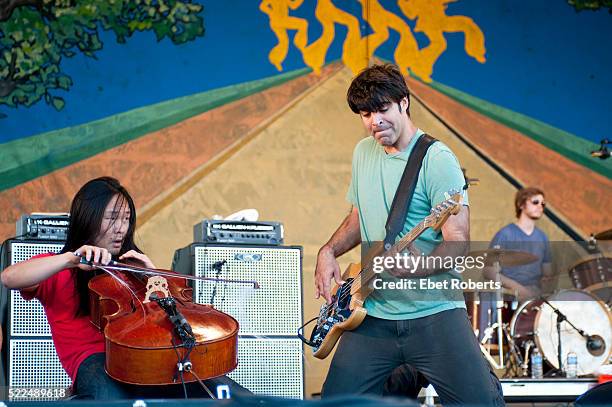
[505, 257]
[605, 235]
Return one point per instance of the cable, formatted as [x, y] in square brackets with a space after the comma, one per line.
[203, 385]
[180, 366]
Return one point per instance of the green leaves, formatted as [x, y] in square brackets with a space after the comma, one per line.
[33, 41]
[58, 103]
[593, 5]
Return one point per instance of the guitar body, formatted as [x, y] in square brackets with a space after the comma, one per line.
[348, 314]
[346, 311]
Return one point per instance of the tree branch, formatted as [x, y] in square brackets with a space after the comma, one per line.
[7, 7]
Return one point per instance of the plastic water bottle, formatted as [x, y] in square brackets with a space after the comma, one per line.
[571, 367]
[536, 364]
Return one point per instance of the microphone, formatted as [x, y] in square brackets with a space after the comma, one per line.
[217, 266]
[595, 345]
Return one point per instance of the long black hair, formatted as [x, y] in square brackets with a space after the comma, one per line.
[86, 214]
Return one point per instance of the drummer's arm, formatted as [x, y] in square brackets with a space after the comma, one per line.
[509, 284]
[547, 276]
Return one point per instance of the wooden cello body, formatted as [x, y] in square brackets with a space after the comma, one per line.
[143, 344]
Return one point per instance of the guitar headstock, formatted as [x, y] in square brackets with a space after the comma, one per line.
[440, 213]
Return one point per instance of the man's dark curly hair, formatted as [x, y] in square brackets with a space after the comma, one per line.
[376, 86]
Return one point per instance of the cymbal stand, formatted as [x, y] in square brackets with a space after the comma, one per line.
[498, 326]
[515, 361]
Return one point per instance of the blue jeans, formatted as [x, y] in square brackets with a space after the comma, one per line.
[92, 382]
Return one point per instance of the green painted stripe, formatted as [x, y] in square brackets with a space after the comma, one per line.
[573, 147]
[31, 157]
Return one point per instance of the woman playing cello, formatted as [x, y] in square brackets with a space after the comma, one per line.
[102, 224]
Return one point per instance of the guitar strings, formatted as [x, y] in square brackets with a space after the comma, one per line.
[399, 246]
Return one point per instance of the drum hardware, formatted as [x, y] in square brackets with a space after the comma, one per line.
[486, 352]
[525, 361]
[534, 323]
[516, 365]
[595, 344]
[605, 235]
[560, 318]
[496, 258]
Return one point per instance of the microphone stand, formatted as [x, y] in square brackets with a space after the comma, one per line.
[560, 318]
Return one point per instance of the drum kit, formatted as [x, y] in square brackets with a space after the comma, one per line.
[575, 320]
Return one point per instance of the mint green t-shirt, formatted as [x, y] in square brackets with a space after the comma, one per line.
[375, 178]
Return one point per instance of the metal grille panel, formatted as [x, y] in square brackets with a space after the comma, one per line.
[271, 366]
[34, 363]
[21, 251]
[28, 317]
[273, 309]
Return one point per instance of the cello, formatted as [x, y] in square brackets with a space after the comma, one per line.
[155, 334]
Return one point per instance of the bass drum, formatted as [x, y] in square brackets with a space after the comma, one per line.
[537, 321]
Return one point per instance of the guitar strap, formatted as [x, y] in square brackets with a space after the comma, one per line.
[405, 190]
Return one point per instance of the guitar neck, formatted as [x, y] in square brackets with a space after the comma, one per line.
[361, 282]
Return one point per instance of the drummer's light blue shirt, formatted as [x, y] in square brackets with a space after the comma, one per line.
[375, 178]
[512, 237]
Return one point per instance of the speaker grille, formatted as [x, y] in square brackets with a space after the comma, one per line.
[33, 363]
[271, 366]
[34, 370]
[28, 317]
[24, 251]
[273, 309]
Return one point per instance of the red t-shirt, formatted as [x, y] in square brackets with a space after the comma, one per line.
[75, 338]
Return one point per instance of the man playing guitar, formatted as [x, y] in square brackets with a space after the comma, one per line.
[434, 335]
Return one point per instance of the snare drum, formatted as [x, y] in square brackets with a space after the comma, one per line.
[590, 271]
[535, 320]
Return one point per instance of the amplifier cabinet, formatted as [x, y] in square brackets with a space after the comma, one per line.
[271, 366]
[273, 309]
[31, 358]
[270, 356]
[27, 318]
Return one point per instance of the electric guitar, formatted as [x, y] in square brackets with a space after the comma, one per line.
[346, 311]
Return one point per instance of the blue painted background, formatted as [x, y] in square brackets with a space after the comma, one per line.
[543, 60]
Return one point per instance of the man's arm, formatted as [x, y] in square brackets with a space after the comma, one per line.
[345, 238]
[522, 292]
[548, 277]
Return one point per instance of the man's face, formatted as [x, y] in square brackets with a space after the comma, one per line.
[115, 224]
[534, 207]
[387, 124]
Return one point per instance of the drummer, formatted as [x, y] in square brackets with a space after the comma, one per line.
[524, 282]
